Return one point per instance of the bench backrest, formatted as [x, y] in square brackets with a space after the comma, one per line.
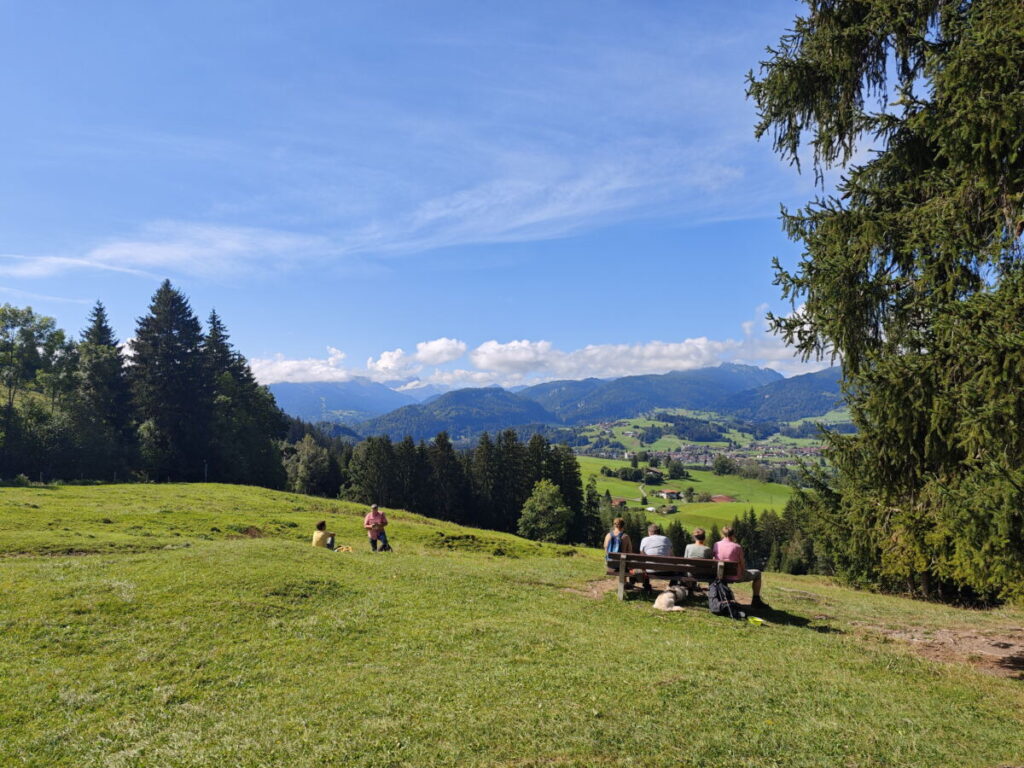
[696, 567]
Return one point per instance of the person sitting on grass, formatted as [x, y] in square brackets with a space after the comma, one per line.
[729, 550]
[374, 523]
[654, 543]
[321, 537]
[617, 540]
[698, 549]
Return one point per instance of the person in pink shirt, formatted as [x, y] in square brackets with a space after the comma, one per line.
[728, 549]
[374, 523]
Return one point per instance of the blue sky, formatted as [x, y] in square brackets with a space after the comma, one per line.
[455, 193]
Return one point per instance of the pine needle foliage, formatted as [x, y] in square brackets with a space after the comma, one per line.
[912, 276]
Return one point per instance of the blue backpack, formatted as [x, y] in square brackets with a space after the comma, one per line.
[614, 544]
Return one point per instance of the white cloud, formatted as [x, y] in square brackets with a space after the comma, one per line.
[540, 360]
[460, 378]
[392, 364]
[516, 357]
[279, 368]
[523, 361]
[440, 351]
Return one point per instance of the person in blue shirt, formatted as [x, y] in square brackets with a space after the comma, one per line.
[617, 540]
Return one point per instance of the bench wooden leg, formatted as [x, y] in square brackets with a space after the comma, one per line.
[622, 579]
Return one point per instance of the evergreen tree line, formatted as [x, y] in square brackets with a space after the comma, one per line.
[488, 486]
[176, 404]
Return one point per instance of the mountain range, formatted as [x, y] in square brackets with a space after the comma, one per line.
[741, 391]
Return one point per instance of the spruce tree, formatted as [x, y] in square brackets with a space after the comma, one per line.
[245, 421]
[913, 276]
[450, 485]
[372, 471]
[172, 387]
[484, 476]
[513, 483]
[592, 527]
[408, 481]
[102, 409]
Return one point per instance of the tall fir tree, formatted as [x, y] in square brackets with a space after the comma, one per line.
[913, 275]
[513, 483]
[408, 476]
[450, 484]
[173, 389]
[245, 421]
[102, 408]
[484, 476]
[372, 471]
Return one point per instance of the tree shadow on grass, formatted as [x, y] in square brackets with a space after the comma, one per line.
[1014, 664]
[778, 616]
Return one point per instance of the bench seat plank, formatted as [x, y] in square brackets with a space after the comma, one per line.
[664, 565]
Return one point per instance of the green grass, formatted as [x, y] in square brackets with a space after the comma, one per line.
[748, 493]
[172, 644]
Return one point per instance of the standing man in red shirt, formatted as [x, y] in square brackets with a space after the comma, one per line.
[374, 523]
[728, 549]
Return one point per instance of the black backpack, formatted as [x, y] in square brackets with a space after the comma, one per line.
[721, 601]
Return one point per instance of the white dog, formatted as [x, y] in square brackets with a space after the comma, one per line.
[668, 600]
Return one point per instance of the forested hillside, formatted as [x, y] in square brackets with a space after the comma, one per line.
[592, 401]
[798, 397]
[463, 413]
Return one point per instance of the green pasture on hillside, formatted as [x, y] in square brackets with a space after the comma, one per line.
[193, 625]
[748, 493]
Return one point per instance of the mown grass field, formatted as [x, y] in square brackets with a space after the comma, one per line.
[749, 493]
[145, 626]
[665, 442]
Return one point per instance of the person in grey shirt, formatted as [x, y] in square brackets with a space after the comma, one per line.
[654, 543]
[698, 549]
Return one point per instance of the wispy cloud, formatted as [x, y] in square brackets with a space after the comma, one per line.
[180, 248]
[549, 133]
[30, 296]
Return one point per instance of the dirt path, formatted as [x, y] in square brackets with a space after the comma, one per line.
[595, 589]
[999, 653]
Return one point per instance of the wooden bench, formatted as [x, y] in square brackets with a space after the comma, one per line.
[687, 569]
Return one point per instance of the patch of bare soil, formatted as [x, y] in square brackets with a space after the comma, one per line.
[595, 589]
[252, 532]
[999, 653]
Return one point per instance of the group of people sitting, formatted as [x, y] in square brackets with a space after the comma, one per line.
[656, 543]
[374, 522]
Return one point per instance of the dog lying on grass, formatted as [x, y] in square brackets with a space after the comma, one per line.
[669, 599]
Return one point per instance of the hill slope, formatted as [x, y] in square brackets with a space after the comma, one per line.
[799, 397]
[592, 400]
[463, 413]
[342, 401]
[182, 646]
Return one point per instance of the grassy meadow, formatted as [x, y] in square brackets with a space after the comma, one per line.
[193, 625]
[748, 493]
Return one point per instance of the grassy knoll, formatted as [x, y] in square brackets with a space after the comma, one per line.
[187, 647]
